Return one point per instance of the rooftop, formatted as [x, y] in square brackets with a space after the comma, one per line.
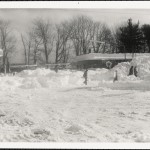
[100, 56]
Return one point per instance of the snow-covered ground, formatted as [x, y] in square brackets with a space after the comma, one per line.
[41, 105]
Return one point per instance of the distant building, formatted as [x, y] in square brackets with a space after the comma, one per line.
[99, 60]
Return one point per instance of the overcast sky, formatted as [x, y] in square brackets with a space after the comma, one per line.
[21, 18]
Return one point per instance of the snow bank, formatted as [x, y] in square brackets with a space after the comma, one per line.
[42, 78]
[143, 67]
[122, 69]
[142, 63]
[9, 82]
[101, 75]
[50, 79]
[46, 78]
[107, 76]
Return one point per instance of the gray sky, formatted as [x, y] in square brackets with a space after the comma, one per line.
[21, 18]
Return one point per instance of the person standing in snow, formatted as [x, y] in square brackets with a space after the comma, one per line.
[133, 71]
[85, 76]
[115, 76]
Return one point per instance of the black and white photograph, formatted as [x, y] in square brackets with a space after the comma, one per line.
[75, 75]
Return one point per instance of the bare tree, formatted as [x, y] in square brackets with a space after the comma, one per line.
[36, 48]
[63, 31]
[97, 40]
[31, 44]
[103, 35]
[44, 31]
[27, 41]
[7, 41]
[87, 35]
[81, 34]
[117, 43]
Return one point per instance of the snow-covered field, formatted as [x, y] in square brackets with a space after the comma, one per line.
[41, 106]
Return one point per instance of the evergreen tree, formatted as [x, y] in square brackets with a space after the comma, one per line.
[130, 38]
[146, 31]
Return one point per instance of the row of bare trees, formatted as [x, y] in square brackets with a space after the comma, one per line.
[45, 41]
[87, 34]
[76, 36]
[7, 43]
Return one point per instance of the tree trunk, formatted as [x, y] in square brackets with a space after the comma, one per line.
[25, 51]
[35, 60]
[4, 62]
[104, 48]
[46, 53]
[8, 66]
[29, 56]
[56, 59]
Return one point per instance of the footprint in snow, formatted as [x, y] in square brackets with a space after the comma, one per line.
[2, 114]
[73, 129]
[134, 113]
[40, 132]
[147, 114]
[121, 114]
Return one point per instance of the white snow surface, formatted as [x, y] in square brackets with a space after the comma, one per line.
[43, 106]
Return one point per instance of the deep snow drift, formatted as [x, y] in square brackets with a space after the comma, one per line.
[41, 105]
[47, 78]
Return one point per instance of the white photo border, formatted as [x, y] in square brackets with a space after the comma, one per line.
[75, 5]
